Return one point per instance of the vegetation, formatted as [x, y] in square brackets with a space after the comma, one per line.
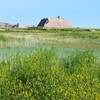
[44, 76]
[74, 32]
[3, 38]
[49, 64]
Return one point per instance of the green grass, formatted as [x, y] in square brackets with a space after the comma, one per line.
[62, 70]
[44, 75]
[3, 38]
[73, 32]
[80, 38]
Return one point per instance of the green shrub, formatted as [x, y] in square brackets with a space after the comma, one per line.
[44, 76]
[79, 61]
[3, 38]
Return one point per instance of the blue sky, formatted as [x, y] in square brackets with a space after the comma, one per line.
[80, 13]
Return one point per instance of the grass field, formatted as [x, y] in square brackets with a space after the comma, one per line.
[40, 64]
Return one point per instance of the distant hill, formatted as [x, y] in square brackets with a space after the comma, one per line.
[56, 22]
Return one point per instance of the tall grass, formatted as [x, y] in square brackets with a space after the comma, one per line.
[44, 76]
[3, 38]
[73, 32]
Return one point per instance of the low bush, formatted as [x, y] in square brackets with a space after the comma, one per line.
[45, 76]
[3, 38]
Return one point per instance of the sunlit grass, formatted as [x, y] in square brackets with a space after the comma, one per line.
[43, 75]
[60, 70]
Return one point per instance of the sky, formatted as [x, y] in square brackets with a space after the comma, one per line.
[80, 13]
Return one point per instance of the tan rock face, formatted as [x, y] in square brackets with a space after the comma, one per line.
[54, 23]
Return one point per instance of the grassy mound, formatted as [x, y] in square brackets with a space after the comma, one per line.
[45, 76]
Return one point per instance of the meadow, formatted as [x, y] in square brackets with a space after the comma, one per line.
[50, 64]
